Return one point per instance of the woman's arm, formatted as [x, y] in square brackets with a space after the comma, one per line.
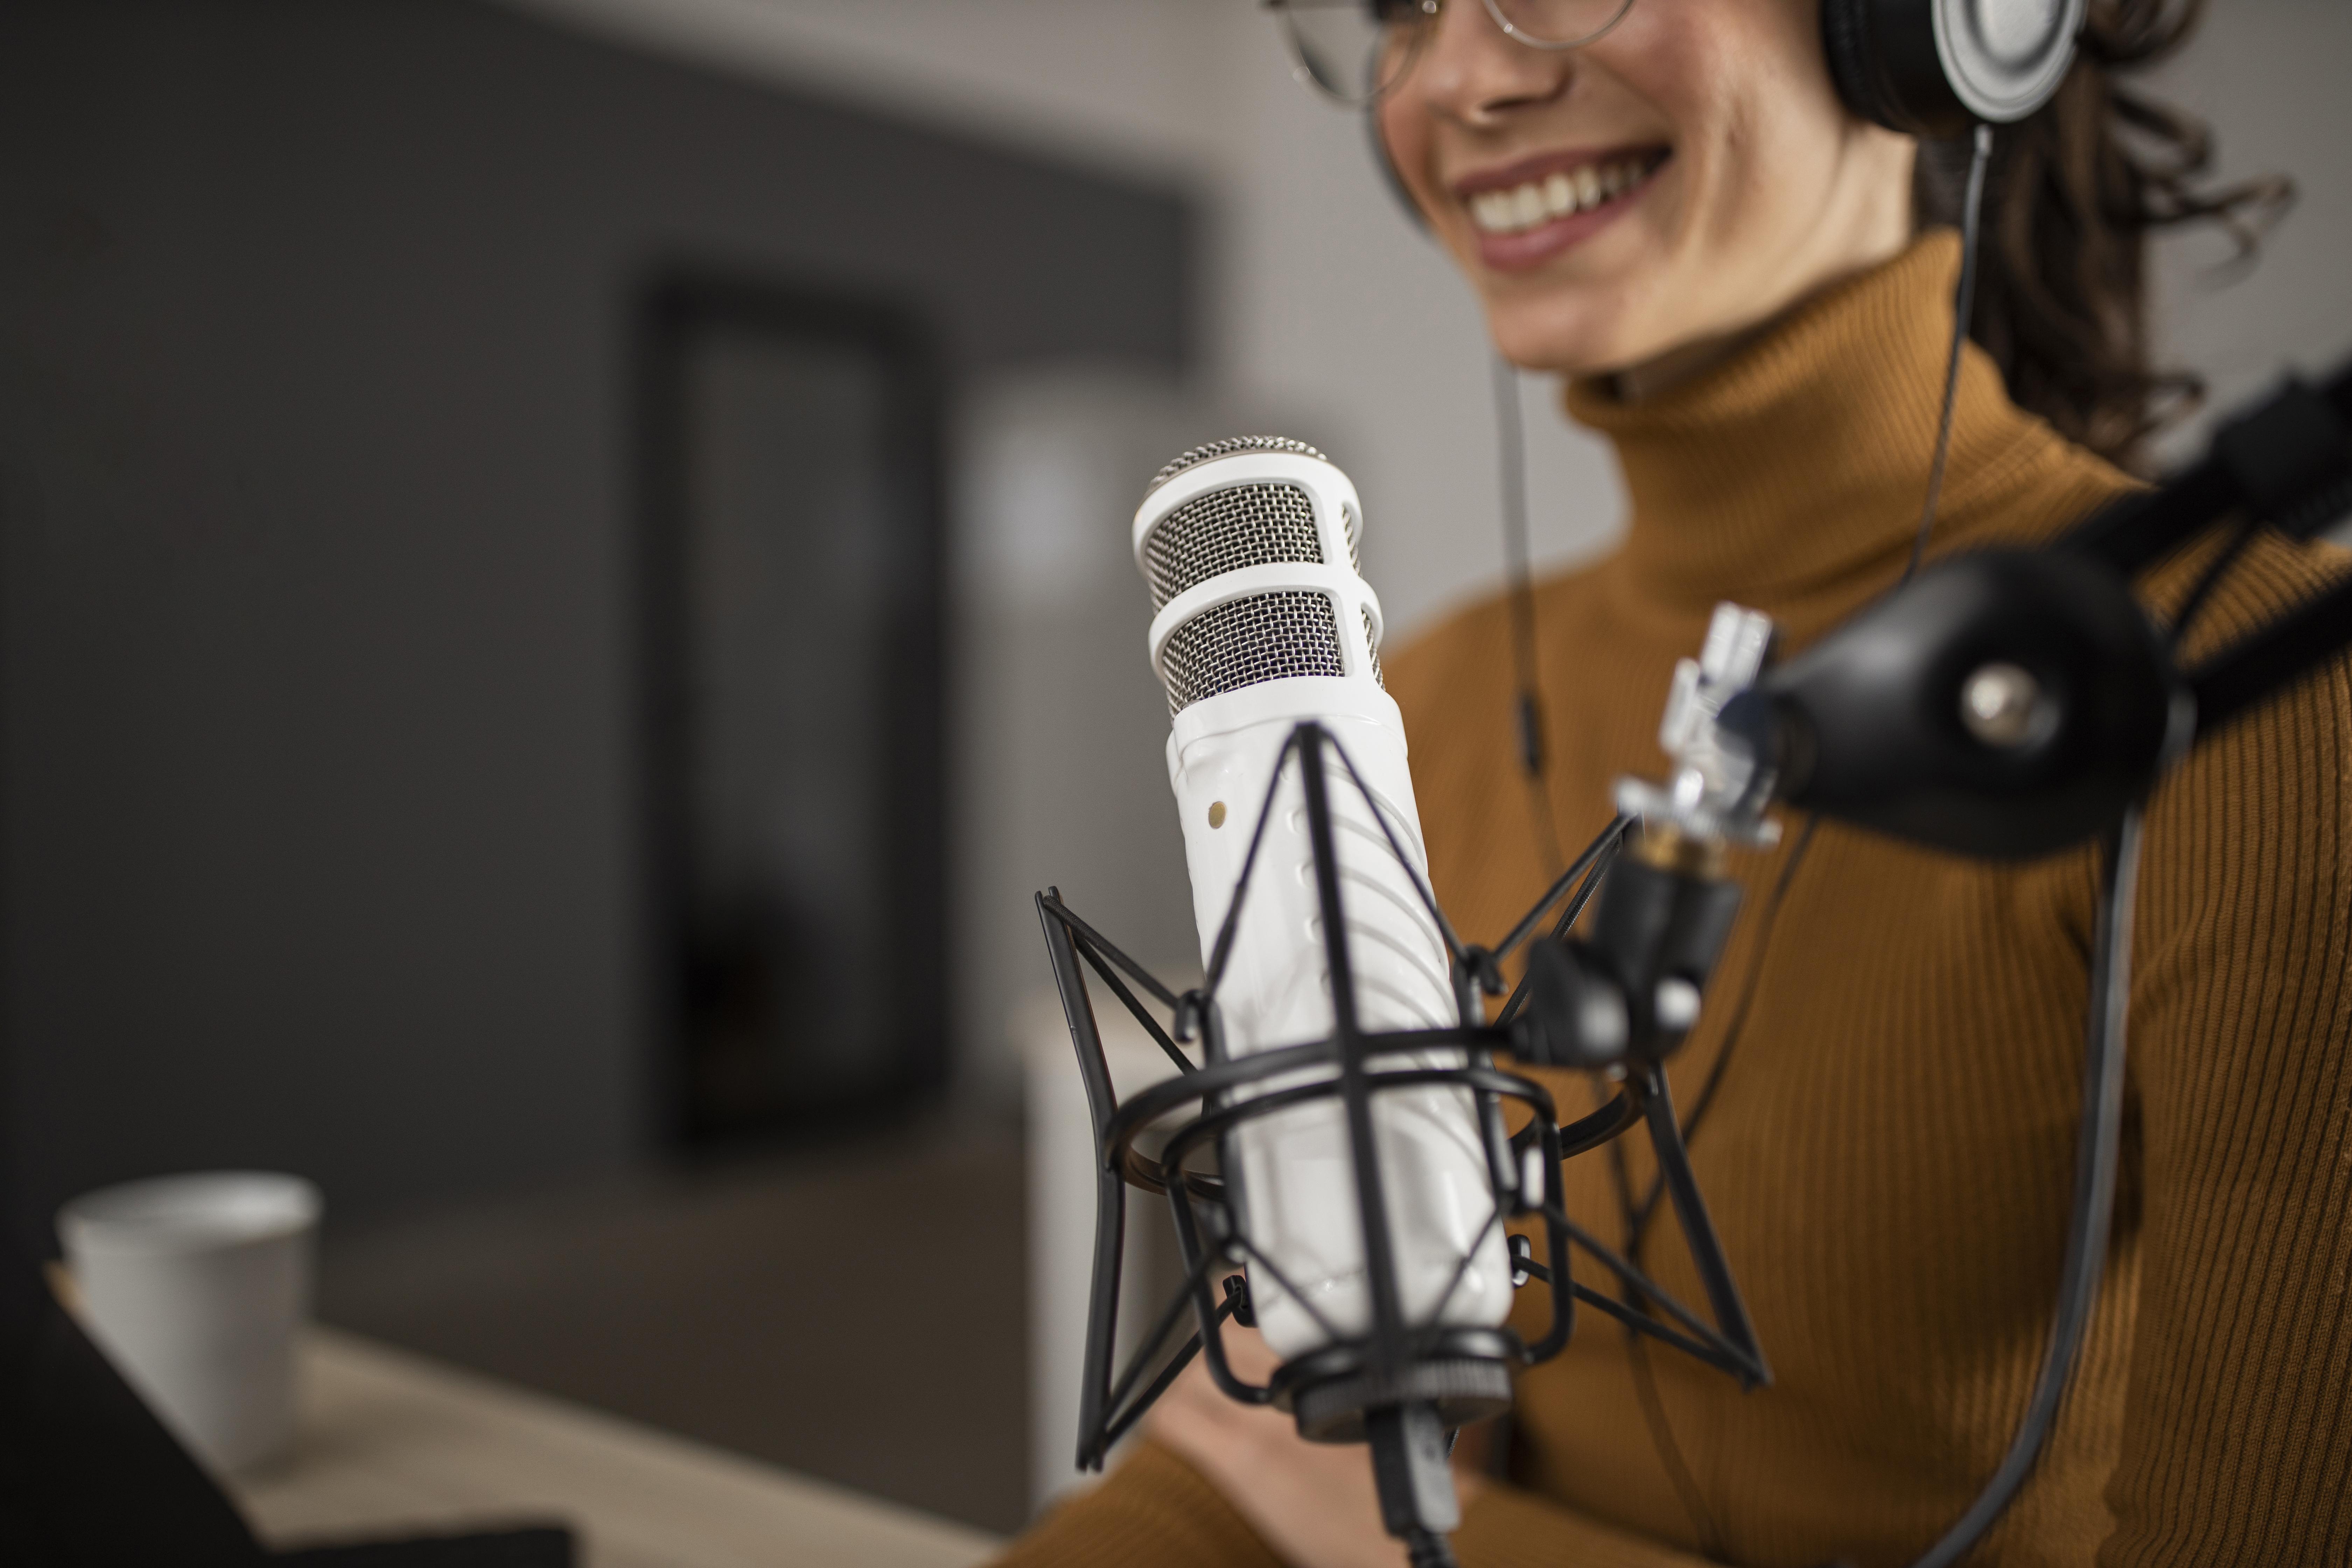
[1314, 1504]
[2238, 1424]
[1153, 1511]
[1221, 1485]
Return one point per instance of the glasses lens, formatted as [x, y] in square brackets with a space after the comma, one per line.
[1355, 50]
[1558, 24]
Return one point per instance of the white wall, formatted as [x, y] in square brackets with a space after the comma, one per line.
[2268, 76]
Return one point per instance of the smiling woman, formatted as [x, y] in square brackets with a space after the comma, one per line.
[1755, 186]
[1704, 215]
[1636, 203]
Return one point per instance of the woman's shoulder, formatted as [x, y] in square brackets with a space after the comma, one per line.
[2258, 815]
[2022, 482]
[2289, 758]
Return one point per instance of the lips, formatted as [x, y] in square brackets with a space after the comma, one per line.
[1526, 211]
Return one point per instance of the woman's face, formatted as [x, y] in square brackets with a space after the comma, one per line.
[1653, 196]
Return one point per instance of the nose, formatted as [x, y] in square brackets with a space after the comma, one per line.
[1473, 73]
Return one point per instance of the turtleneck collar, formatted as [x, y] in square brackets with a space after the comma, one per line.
[1790, 476]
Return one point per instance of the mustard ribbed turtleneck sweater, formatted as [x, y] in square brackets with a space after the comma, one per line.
[1891, 1154]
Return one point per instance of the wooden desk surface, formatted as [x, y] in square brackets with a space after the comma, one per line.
[393, 1442]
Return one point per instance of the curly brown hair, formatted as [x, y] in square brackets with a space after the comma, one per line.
[2073, 197]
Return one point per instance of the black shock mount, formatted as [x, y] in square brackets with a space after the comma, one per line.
[1616, 1005]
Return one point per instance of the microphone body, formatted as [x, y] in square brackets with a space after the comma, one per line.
[1263, 622]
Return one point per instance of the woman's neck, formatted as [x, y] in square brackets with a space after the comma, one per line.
[1687, 362]
[1857, 237]
[1788, 473]
[1641, 383]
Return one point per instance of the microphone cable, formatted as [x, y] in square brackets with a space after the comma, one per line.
[1518, 568]
[2098, 1154]
[1963, 311]
[1427, 1549]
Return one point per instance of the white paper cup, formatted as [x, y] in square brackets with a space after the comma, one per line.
[195, 1287]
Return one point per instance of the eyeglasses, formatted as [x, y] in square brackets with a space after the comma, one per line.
[1356, 51]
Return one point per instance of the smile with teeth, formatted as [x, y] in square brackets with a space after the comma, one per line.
[1561, 193]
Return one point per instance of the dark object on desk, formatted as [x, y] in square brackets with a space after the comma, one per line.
[87, 1475]
[90, 1479]
[544, 1546]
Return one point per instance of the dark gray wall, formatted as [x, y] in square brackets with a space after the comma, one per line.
[316, 479]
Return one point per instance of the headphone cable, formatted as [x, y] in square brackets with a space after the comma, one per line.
[1963, 314]
[1963, 311]
[1511, 452]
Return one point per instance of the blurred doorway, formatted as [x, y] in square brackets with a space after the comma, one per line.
[794, 618]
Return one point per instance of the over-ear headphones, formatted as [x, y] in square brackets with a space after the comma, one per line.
[1933, 68]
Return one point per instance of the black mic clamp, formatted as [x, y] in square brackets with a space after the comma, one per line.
[1625, 997]
[1621, 1000]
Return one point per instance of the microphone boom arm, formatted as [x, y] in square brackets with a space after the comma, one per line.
[2008, 704]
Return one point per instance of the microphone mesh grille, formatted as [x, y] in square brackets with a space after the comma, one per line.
[1226, 449]
[1224, 530]
[1268, 637]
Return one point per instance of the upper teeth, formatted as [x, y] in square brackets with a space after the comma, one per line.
[1562, 191]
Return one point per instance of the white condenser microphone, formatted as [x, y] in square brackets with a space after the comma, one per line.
[1263, 621]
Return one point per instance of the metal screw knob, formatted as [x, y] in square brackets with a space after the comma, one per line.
[1996, 704]
[1675, 1006]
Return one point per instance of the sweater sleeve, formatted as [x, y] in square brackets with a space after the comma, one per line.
[1153, 1511]
[1505, 1527]
[2237, 1444]
[1157, 1512]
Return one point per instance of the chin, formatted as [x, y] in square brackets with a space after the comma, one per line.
[1581, 337]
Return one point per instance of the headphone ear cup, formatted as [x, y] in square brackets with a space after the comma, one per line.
[1931, 69]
